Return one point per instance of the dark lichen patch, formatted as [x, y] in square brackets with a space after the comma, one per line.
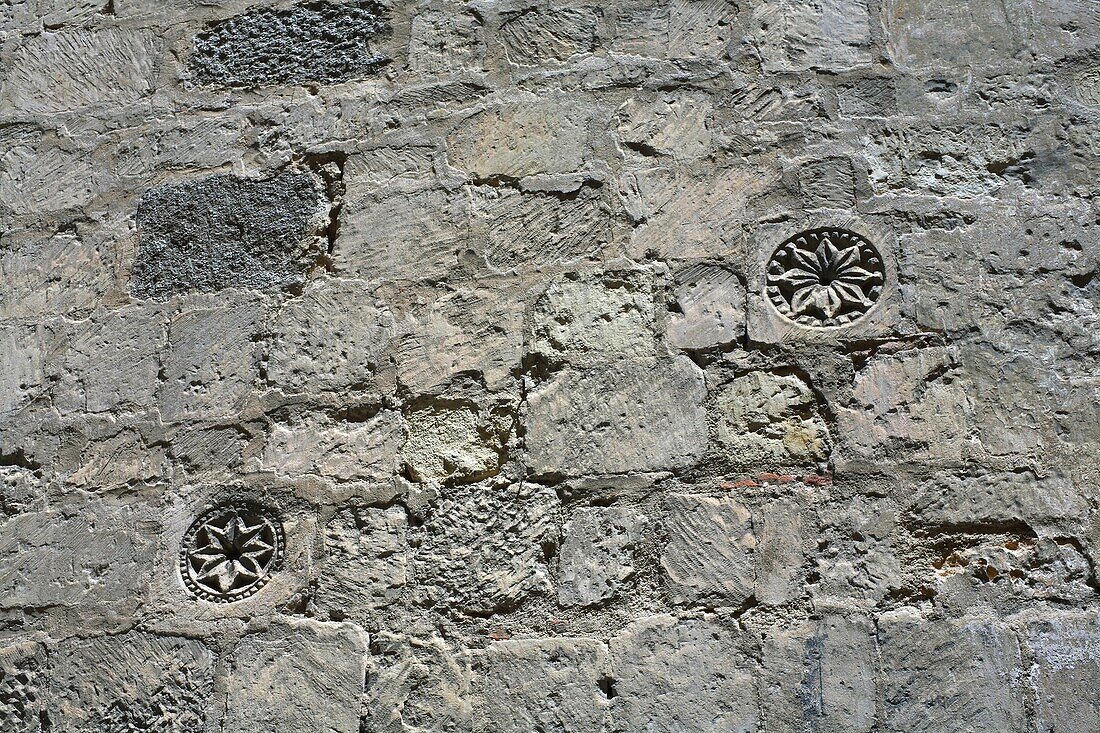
[223, 231]
[323, 43]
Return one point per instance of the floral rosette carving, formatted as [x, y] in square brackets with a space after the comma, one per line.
[825, 277]
[230, 551]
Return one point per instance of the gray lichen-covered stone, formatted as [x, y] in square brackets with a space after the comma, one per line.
[322, 42]
[212, 233]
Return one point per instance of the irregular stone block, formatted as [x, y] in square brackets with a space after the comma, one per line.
[323, 42]
[820, 676]
[50, 276]
[708, 552]
[1066, 650]
[343, 452]
[222, 231]
[366, 564]
[89, 559]
[482, 549]
[544, 684]
[700, 29]
[632, 416]
[537, 36]
[42, 175]
[769, 421]
[113, 361]
[708, 310]
[140, 682]
[597, 554]
[302, 678]
[23, 687]
[828, 183]
[331, 337]
[519, 139]
[929, 36]
[23, 354]
[445, 41]
[672, 675]
[454, 443]
[673, 125]
[830, 35]
[998, 498]
[943, 676]
[589, 318]
[72, 70]
[212, 362]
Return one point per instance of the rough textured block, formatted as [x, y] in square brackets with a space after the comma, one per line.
[454, 442]
[366, 567]
[212, 233]
[24, 687]
[631, 416]
[708, 554]
[1067, 653]
[708, 310]
[537, 36]
[597, 554]
[304, 677]
[347, 453]
[323, 42]
[829, 35]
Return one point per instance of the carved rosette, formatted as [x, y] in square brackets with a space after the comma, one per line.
[825, 277]
[230, 551]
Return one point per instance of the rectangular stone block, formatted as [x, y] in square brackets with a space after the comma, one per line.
[597, 554]
[365, 568]
[708, 556]
[828, 35]
[1066, 675]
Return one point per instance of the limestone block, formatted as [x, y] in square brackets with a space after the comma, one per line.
[212, 362]
[324, 42]
[708, 308]
[1066, 649]
[632, 416]
[520, 138]
[89, 558]
[43, 276]
[830, 35]
[820, 676]
[222, 231]
[769, 420]
[467, 330]
[674, 125]
[306, 676]
[365, 568]
[136, 681]
[343, 452]
[708, 554]
[597, 554]
[589, 318]
[113, 361]
[40, 174]
[24, 686]
[31, 15]
[23, 358]
[925, 36]
[700, 29]
[331, 337]
[672, 675]
[71, 70]
[481, 549]
[516, 231]
[115, 454]
[941, 676]
[454, 443]
[544, 684]
[828, 183]
[446, 41]
[537, 36]
[782, 545]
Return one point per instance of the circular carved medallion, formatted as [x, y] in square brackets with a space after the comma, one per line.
[230, 551]
[825, 277]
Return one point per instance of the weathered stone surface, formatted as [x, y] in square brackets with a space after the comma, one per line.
[708, 555]
[708, 308]
[323, 42]
[301, 677]
[366, 565]
[136, 681]
[454, 442]
[483, 549]
[446, 41]
[820, 676]
[833, 35]
[674, 125]
[631, 416]
[44, 276]
[212, 233]
[23, 686]
[537, 36]
[544, 684]
[658, 660]
[23, 353]
[597, 554]
[770, 420]
[1067, 661]
[343, 452]
[943, 676]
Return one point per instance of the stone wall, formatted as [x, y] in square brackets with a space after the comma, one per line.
[678, 366]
